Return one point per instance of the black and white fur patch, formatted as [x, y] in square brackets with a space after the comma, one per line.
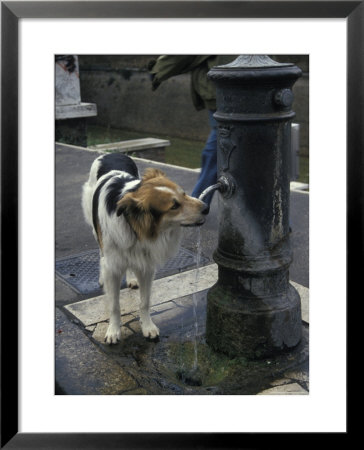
[117, 174]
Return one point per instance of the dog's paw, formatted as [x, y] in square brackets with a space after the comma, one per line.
[101, 280]
[150, 330]
[113, 334]
[132, 283]
[131, 280]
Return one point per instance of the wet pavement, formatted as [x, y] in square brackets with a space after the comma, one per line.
[180, 362]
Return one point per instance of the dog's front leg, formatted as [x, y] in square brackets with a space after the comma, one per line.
[145, 279]
[112, 280]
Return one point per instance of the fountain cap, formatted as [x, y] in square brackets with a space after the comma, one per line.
[253, 62]
[256, 69]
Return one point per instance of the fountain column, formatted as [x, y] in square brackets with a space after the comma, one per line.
[252, 310]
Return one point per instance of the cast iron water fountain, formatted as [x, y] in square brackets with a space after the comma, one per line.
[253, 310]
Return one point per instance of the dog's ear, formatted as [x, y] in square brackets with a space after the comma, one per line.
[140, 218]
[125, 205]
[152, 173]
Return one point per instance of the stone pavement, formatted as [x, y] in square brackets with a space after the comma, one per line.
[86, 365]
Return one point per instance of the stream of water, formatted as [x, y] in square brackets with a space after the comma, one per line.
[194, 295]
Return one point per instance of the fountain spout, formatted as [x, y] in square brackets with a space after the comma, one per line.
[225, 185]
[208, 190]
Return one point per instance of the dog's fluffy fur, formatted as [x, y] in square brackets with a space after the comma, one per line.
[137, 223]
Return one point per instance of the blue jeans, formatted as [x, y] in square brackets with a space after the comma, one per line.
[208, 174]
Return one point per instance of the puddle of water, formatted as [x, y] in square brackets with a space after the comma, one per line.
[219, 374]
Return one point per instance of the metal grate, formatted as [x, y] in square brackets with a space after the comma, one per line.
[81, 271]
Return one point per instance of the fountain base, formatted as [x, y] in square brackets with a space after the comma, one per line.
[252, 327]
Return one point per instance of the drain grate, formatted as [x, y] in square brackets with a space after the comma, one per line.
[81, 271]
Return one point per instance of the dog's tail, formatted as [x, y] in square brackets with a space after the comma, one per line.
[87, 194]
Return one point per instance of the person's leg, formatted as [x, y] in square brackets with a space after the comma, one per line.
[208, 174]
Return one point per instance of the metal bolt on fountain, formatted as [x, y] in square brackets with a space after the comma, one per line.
[252, 310]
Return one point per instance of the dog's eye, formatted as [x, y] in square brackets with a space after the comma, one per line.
[176, 205]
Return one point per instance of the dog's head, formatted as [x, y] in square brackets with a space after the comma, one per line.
[159, 204]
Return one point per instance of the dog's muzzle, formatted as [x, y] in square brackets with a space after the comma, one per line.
[205, 210]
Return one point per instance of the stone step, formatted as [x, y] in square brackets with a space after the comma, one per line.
[78, 111]
[133, 145]
[93, 311]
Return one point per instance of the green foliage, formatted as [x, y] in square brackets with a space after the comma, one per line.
[181, 152]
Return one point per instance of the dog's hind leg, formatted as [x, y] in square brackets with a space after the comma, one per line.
[112, 279]
[131, 280]
[145, 279]
[101, 274]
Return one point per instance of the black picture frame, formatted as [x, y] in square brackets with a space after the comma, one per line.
[11, 12]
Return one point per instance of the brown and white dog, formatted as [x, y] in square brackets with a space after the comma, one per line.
[137, 223]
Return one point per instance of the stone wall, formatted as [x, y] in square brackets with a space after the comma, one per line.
[121, 88]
